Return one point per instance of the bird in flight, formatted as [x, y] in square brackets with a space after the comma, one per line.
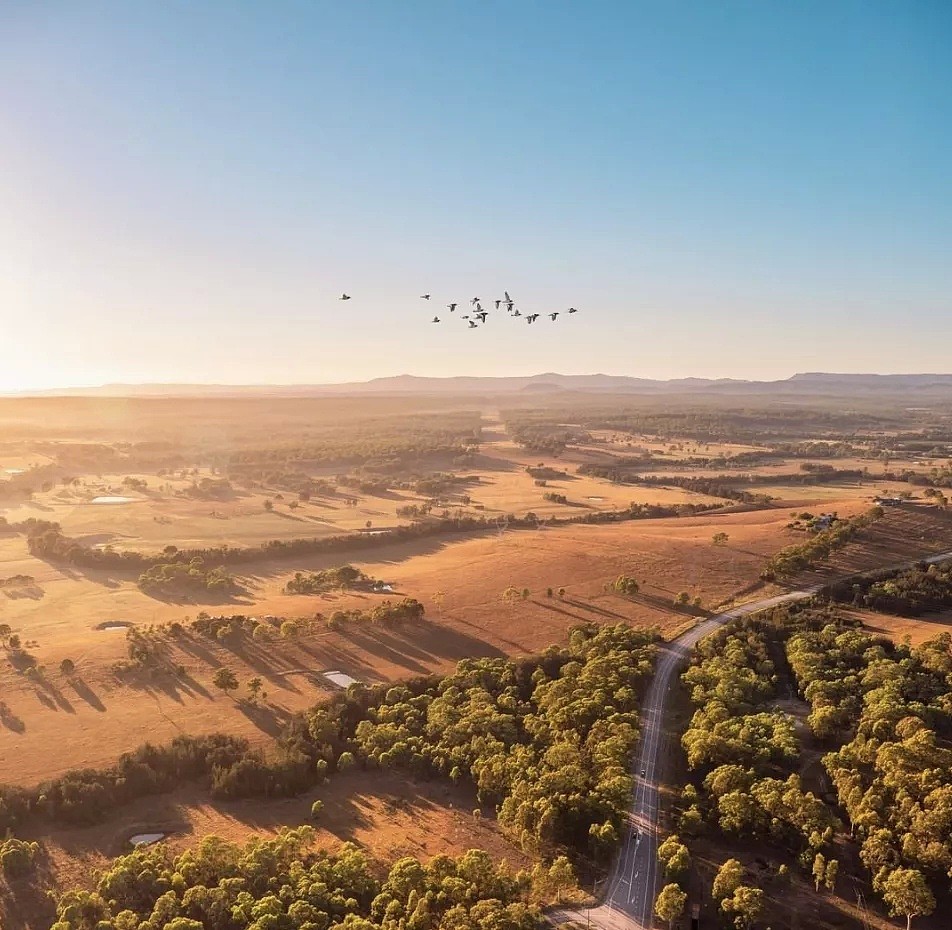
[435, 319]
[452, 307]
[482, 316]
[517, 313]
[532, 317]
[345, 296]
[572, 310]
[552, 316]
[474, 301]
[498, 302]
[424, 297]
[472, 325]
[508, 298]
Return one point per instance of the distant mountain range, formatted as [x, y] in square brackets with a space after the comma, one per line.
[803, 383]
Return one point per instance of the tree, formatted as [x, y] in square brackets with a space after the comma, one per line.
[832, 871]
[819, 870]
[669, 905]
[268, 506]
[316, 809]
[67, 667]
[720, 539]
[745, 904]
[5, 632]
[524, 594]
[346, 761]
[728, 879]
[906, 893]
[13, 641]
[225, 679]
[626, 585]
[511, 595]
[562, 592]
[561, 875]
[254, 688]
[682, 598]
[675, 857]
[438, 598]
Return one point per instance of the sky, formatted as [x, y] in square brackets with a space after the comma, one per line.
[736, 189]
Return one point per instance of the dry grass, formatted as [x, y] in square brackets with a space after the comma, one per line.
[94, 724]
[917, 629]
[388, 814]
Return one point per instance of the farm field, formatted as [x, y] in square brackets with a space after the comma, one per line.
[917, 629]
[387, 814]
[62, 614]
[490, 584]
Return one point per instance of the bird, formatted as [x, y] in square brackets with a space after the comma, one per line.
[474, 301]
[532, 317]
[435, 319]
[479, 307]
[482, 316]
[345, 296]
[498, 302]
[509, 305]
[517, 313]
[472, 325]
[465, 316]
[452, 307]
[552, 316]
[508, 298]
[424, 297]
[572, 310]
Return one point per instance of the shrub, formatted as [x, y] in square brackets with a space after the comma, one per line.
[16, 856]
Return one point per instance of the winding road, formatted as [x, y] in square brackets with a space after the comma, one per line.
[627, 901]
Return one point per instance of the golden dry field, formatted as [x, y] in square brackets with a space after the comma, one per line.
[137, 477]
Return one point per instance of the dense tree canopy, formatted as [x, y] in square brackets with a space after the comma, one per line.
[279, 884]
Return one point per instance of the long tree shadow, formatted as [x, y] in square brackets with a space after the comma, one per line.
[86, 693]
[604, 611]
[269, 718]
[10, 720]
[560, 610]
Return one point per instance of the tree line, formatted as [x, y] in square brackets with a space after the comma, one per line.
[547, 738]
[279, 883]
[793, 559]
[888, 710]
[908, 592]
[47, 541]
[343, 577]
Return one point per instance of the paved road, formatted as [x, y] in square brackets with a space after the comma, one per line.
[632, 885]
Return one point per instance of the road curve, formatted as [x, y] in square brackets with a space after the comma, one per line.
[627, 902]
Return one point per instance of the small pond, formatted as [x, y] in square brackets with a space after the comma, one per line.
[146, 839]
[112, 499]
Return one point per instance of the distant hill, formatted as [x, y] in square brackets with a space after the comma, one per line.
[804, 383]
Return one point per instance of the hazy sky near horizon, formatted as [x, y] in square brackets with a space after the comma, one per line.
[740, 189]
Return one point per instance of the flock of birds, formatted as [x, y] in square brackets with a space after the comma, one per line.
[477, 315]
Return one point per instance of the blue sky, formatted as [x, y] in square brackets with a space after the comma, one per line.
[741, 189]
